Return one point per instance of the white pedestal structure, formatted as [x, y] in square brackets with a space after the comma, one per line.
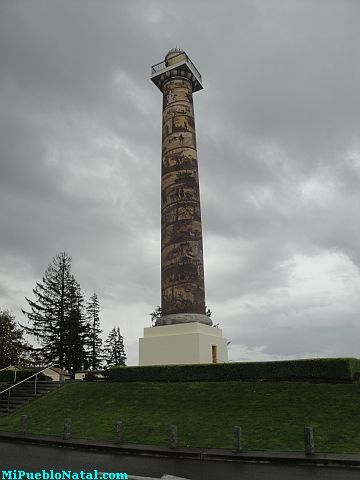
[178, 344]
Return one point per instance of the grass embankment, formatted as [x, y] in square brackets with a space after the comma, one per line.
[272, 415]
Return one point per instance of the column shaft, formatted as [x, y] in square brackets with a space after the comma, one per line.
[182, 271]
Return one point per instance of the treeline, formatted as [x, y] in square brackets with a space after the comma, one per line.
[66, 328]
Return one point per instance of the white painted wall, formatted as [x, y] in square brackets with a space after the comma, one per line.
[187, 343]
[55, 375]
[50, 373]
[81, 375]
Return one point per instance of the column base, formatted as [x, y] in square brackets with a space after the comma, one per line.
[176, 318]
[186, 343]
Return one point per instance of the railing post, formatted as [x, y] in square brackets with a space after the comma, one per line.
[237, 440]
[21, 381]
[119, 433]
[173, 436]
[23, 424]
[309, 441]
[67, 429]
[15, 375]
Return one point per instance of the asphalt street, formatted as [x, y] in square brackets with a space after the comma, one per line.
[34, 458]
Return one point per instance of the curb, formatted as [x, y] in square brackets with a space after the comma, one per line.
[164, 477]
[295, 458]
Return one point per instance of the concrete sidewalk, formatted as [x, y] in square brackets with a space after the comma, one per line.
[321, 459]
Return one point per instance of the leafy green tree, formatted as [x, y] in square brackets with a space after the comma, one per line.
[56, 317]
[114, 349]
[94, 331]
[14, 350]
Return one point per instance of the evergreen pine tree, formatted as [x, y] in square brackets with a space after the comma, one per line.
[75, 330]
[114, 348]
[93, 335]
[56, 317]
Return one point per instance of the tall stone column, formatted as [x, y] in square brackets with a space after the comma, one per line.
[183, 334]
[182, 270]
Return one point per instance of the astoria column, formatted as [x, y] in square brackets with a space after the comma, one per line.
[182, 268]
[184, 333]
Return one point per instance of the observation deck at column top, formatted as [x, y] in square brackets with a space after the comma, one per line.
[176, 63]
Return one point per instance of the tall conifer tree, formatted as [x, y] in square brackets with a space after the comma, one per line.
[115, 350]
[94, 340]
[56, 317]
[75, 330]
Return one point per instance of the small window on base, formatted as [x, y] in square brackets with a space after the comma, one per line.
[214, 353]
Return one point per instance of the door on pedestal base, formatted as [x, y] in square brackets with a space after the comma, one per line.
[214, 353]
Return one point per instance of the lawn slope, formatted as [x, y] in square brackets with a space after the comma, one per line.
[272, 415]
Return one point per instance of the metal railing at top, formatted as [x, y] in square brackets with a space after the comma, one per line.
[161, 65]
[5, 368]
[10, 366]
[9, 389]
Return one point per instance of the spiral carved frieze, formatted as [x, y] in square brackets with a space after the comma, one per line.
[182, 271]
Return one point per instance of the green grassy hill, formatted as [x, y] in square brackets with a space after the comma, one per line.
[272, 415]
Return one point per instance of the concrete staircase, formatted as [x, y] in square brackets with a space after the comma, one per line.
[24, 393]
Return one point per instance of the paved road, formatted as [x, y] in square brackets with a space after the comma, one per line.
[34, 458]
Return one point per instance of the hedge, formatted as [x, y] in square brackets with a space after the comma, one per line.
[317, 369]
[21, 374]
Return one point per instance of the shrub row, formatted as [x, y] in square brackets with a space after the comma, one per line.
[317, 369]
[8, 375]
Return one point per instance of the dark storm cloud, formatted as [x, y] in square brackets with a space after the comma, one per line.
[277, 128]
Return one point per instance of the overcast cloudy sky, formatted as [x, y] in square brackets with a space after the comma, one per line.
[278, 126]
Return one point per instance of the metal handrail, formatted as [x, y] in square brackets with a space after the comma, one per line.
[25, 379]
[15, 370]
[5, 368]
[162, 65]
